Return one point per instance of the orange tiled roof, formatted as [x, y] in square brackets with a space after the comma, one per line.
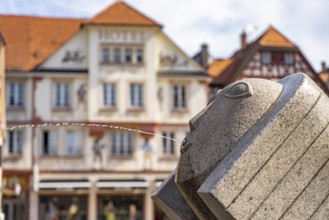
[218, 66]
[120, 13]
[31, 40]
[324, 76]
[273, 38]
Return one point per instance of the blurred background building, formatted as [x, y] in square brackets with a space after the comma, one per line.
[71, 85]
[270, 56]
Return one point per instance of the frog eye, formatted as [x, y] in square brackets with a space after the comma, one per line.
[239, 90]
[185, 144]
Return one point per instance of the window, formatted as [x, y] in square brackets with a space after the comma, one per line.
[139, 55]
[277, 57]
[117, 55]
[128, 55]
[288, 58]
[15, 142]
[179, 96]
[62, 95]
[121, 143]
[136, 95]
[105, 55]
[15, 95]
[168, 144]
[49, 142]
[74, 143]
[266, 57]
[109, 94]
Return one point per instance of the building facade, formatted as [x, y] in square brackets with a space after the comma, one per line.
[96, 111]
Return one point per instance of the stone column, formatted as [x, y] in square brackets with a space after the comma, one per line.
[34, 202]
[92, 200]
[149, 206]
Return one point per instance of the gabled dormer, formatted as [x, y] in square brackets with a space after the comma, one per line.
[271, 56]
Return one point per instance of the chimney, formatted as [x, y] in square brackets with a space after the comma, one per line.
[204, 55]
[324, 67]
[243, 39]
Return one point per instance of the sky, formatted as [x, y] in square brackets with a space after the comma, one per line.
[219, 23]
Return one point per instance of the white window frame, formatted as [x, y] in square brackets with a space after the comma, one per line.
[106, 54]
[288, 58]
[109, 95]
[168, 145]
[15, 94]
[139, 55]
[266, 57]
[179, 96]
[121, 143]
[74, 143]
[136, 95]
[128, 55]
[62, 95]
[117, 54]
[52, 145]
[15, 142]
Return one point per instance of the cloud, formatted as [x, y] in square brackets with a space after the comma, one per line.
[218, 23]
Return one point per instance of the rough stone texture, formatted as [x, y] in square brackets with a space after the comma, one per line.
[281, 161]
[310, 199]
[260, 150]
[296, 180]
[322, 212]
[216, 130]
[169, 199]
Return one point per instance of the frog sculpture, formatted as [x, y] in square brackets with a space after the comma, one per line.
[244, 150]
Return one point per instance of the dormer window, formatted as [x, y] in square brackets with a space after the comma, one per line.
[288, 58]
[266, 57]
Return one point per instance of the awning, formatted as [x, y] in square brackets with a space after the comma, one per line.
[64, 184]
[122, 184]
